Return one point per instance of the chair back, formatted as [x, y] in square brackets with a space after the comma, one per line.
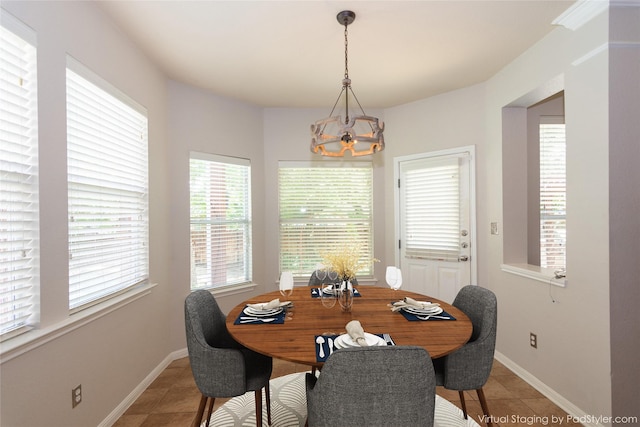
[314, 281]
[481, 306]
[217, 367]
[374, 387]
[469, 367]
[205, 321]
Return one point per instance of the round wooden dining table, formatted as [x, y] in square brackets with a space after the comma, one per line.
[294, 340]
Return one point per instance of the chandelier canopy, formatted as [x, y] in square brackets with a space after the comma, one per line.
[361, 134]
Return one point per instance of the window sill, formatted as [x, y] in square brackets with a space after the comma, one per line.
[233, 290]
[34, 338]
[540, 274]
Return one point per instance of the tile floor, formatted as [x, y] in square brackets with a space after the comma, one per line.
[173, 398]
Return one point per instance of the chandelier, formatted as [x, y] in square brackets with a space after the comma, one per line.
[359, 134]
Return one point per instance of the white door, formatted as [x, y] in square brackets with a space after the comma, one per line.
[435, 228]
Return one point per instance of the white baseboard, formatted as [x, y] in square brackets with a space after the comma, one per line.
[547, 391]
[135, 393]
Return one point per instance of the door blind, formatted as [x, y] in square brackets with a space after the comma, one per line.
[553, 195]
[431, 211]
[19, 260]
[108, 186]
[221, 243]
[322, 208]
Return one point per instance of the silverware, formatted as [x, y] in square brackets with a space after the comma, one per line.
[330, 346]
[257, 319]
[320, 341]
[388, 339]
[433, 316]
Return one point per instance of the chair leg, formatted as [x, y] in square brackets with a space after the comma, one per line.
[198, 419]
[268, 401]
[462, 402]
[485, 408]
[258, 399]
[211, 402]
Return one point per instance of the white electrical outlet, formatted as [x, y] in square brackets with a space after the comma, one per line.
[76, 396]
[533, 340]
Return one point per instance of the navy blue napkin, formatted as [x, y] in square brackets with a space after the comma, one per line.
[315, 293]
[279, 319]
[325, 345]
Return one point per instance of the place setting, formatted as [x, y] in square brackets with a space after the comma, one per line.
[355, 336]
[414, 310]
[273, 311]
[330, 282]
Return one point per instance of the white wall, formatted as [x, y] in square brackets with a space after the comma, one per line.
[111, 355]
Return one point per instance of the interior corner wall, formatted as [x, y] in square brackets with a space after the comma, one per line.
[624, 207]
[111, 355]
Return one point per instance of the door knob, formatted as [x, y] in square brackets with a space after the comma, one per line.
[463, 258]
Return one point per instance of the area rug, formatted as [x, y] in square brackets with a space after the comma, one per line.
[289, 408]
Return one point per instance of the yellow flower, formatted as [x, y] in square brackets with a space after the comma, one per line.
[346, 261]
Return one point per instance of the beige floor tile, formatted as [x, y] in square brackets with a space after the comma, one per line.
[169, 420]
[131, 420]
[178, 399]
[147, 401]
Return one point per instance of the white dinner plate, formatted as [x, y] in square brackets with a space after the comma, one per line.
[344, 341]
[262, 313]
[329, 290]
[423, 311]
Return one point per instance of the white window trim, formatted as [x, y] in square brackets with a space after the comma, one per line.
[229, 289]
[534, 272]
[95, 80]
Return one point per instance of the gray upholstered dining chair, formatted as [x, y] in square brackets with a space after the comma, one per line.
[373, 387]
[222, 367]
[469, 367]
[315, 281]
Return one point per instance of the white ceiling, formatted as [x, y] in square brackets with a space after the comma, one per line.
[291, 53]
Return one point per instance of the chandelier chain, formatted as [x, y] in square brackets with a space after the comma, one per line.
[346, 53]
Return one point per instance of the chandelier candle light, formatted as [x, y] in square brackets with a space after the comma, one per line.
[361, 135]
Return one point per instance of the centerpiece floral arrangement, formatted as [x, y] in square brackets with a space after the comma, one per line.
[346, 261]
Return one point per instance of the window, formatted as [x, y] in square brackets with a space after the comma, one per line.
[220, 202]
[534, 186]
[19, 261]
[108, 188]
[321, 207]
[431, 209]
[553, 193]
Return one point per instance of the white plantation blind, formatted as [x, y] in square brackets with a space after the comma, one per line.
[19, 261]
[322, 207]
[220, 202]
[108, 186]
[431, 211]
[553, 194]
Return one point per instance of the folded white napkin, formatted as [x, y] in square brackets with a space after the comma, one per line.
[356, 332]
[269, 305]
[410, 302]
